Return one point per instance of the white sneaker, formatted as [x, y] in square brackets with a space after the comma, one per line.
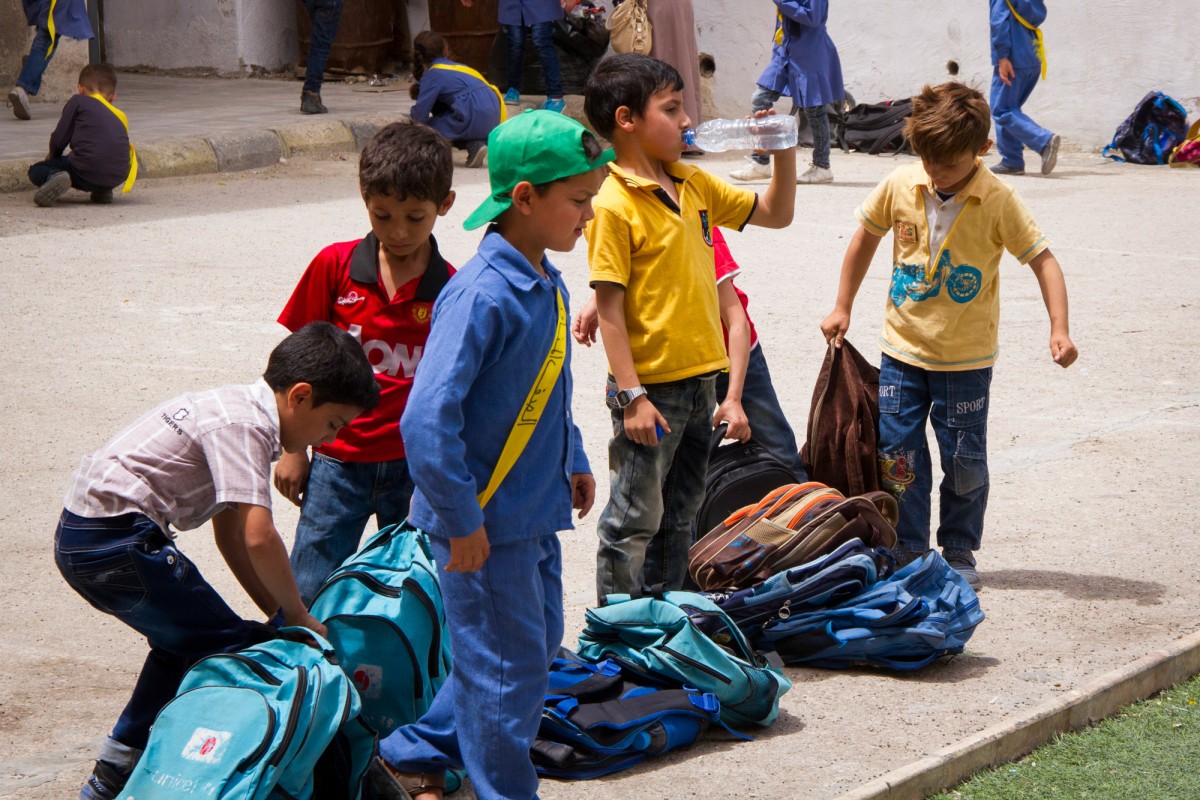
[753, 171]
[19, 102]
[815, 174]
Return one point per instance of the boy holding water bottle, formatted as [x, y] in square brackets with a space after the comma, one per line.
[650, 249]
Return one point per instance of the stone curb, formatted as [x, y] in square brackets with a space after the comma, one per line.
[1014, 738]
[251, 149]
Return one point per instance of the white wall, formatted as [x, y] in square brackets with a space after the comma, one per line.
[1103, 56]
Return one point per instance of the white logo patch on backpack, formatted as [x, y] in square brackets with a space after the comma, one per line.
[206, 745]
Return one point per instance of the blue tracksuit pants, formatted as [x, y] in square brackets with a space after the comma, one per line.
[506, 623]
[1015, 130]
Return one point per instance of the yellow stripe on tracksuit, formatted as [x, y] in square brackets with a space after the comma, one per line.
[1040, 44]
[50, 27]
[132, 153]
[463, 68]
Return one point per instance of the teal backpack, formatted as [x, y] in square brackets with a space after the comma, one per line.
[249, 725]
[383, 609]
[657, 636]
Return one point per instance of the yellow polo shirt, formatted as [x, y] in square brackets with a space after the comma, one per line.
[663, 256]
[943, 310]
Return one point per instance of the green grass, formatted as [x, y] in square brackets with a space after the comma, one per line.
[1148, 751]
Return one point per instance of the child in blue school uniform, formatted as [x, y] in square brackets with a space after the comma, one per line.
[499, 340]
[772, 84]
[1018, 58]
[814, 74]
[453, 99]
[52, 20]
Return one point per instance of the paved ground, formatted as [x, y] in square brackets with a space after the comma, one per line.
[1089, 557]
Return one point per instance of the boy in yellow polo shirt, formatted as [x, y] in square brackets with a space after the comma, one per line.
[652, 266]
[951, 220]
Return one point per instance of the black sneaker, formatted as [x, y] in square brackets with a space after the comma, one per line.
[310, 103]
[476, 151]
[1050, 154]
[102, 197]
[105, 783]
[54, 188]
[962, 561]
[1004, 169]
[905, 556]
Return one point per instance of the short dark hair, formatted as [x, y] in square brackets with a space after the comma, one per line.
[99, 78]
[330, 360]
[406, 159]
[947, 120]
[625, 79]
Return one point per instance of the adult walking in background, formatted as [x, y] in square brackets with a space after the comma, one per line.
[539, 16]
[674, 41]
[52, 19]
[325, 16]
[814, 75]
[1018, 60]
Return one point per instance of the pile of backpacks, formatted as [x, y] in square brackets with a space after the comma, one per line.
[1156, 133]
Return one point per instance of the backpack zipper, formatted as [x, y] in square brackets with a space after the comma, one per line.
[293, 716]
[696, 664]
[434, 652]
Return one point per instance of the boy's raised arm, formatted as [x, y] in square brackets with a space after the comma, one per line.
[777, 206]
[859, 253]
[1054, 294]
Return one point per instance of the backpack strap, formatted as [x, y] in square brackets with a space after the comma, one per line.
[534, 405]
[463, 68]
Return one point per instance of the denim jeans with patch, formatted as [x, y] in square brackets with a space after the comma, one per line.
[957, 405]
[655, 492]
[339, 500]
[128, 568]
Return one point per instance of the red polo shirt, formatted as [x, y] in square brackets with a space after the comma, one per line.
[342, 285]
[727, 270]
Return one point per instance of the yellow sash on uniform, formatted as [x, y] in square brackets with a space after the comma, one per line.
[132, 154]
[1040, 44]
[463, 68]
[50, 27]
[778, 27]
[532, 408]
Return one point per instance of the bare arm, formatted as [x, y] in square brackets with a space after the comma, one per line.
[291, 475]
[641, 416]
[777, 205]
[738, 327]
[1054, 294]
[256, 555]
[859, 253]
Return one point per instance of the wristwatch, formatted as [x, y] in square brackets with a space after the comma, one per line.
[627, 396]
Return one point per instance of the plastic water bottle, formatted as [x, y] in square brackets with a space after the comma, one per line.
[772, 132]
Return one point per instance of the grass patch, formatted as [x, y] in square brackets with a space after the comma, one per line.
[1148, 751]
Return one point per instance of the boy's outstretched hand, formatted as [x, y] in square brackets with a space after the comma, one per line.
[835, 325]
[467, 553]
[583, 492]
[1062, 350]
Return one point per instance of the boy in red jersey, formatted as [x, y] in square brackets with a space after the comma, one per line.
[381, 289]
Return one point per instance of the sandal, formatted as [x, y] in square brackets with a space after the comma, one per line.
[393, 784]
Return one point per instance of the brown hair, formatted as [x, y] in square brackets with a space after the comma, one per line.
[100, 78]
[947, 120]
[406, 159]
[426, 47]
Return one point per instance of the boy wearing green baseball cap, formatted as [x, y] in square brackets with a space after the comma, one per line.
[498, 462]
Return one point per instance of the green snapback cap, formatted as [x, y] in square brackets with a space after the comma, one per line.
[537, 146]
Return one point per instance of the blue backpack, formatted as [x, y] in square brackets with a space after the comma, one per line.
[249, 725]
[924, 611]
[598, 720]
[383, 609]
[1148, 135]
[660, 637]
[823, 582]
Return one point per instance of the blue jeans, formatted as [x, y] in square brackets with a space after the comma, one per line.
[338, 503]
[768, 425]
[543, 40]
[763, 99]
[128, 568]
[325, 15]
[42, 171]
[655, 493]
[506, 623]
[30, 78]
[1015, 130]
[957, 405]
[818, 120]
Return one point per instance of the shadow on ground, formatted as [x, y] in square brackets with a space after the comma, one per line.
[1079, 586]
